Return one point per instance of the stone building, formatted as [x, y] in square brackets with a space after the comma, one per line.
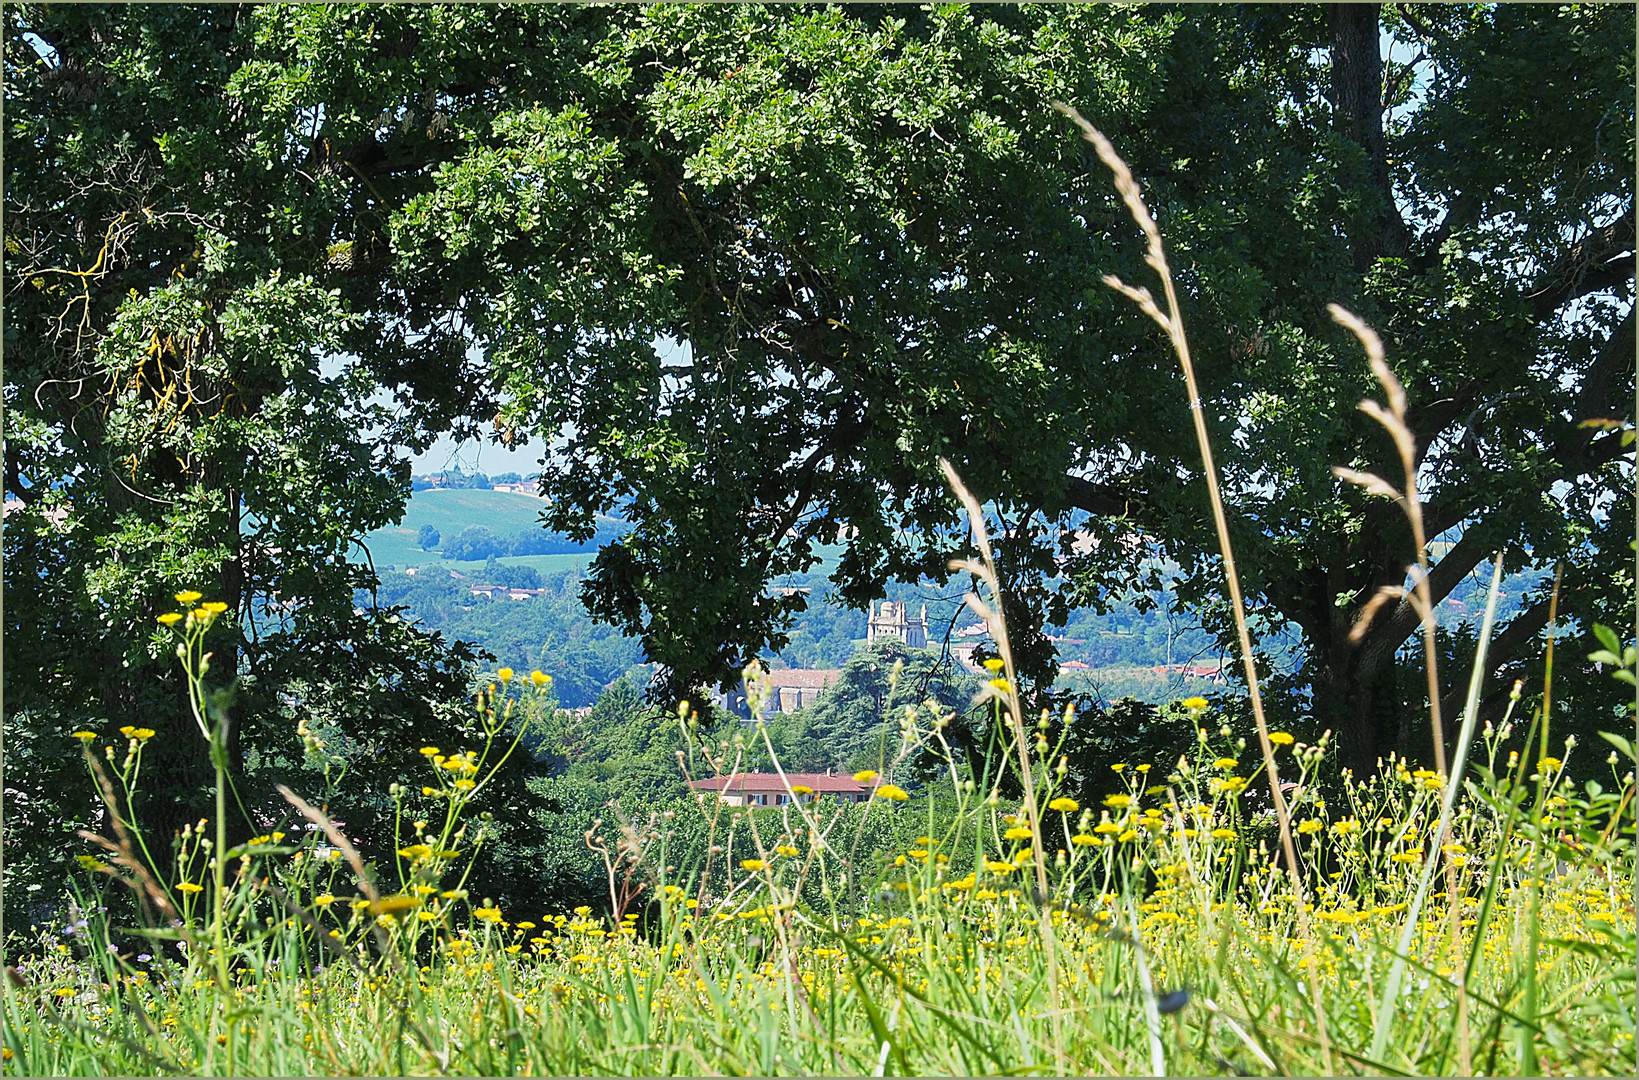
[892, 620]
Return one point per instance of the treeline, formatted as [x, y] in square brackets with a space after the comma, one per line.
[456, 479]
[478, 542]
[550, 631]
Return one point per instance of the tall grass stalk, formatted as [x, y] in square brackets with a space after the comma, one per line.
[1453, 783]
[1172, 321]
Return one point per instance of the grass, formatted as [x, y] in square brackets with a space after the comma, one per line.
[1168, 934]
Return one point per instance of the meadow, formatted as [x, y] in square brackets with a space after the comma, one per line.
[1156, 933]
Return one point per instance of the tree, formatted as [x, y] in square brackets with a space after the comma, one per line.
[174, 275]
[855, 723]
[880, 247]
[427, 537]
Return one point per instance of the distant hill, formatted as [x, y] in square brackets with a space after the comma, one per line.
[450, 511]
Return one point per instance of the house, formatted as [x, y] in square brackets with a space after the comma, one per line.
[797, 688]
[768, 789]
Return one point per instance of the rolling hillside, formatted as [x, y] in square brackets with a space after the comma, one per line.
[449, 511]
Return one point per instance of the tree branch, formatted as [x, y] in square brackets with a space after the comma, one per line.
[1594, 263]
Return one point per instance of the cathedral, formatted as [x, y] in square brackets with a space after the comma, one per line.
[892, 620]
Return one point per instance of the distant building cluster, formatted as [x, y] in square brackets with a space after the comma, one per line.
[772, 789]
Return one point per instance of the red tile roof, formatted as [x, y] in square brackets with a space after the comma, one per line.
[758, 782]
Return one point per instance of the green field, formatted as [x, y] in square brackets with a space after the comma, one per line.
[502, 512]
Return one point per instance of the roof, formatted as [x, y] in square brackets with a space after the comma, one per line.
[806, 678]
[771, 782]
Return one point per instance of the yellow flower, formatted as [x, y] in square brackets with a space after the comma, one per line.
[1195, 703]
[1130, 834]
[464, 784]
[1549, 764]
[416, 851]
[1225, 763]
[188, 596]
[429, 751]
[1106, 826]
[1313, 825]
[488, 914]
[214, 607]
[325, 900]
[1223, 834]
[539, 678]
[1280, 738]
[1064, 805]
[1118, 766]
[865, 776]
[1117, 802]
[171, 617]
[785, 849]
[892, 791]
[1084, 839]
[1346, 826]
[801, 789]
[993, 664]
[189, 887]
[753, 865]
[505, 674]
[1017, 832]
[389, 904]
[1406, 857]
[996, 867]
[85, 736]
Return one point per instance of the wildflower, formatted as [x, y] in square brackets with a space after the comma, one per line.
[1406, 856]
[891, 791]
[1130, 834]
[171, 618]
[464, 784]
[865, 776]
[389, 904]
[1117, 802]
[1106, 826]
[189, 887]
[214, 607]
[1143, 768]
[188, 596]
[753, 864]
[1223, 834]
[85, 736]
[1346, 827]
[993, 664]
[1196, 703]
[1118, 766]
[429, 751]
[1064, 805]
[1017, 832]
[539, 678]
[1225, 763]
[801, 789]
[505, 674]
[1549, 764]
[416, 851]
[1312, 825]
[488, 913]
[325, 900]
[1280, 738]
[1084, 839]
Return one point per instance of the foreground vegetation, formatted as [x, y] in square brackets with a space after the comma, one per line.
[1016, 934]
